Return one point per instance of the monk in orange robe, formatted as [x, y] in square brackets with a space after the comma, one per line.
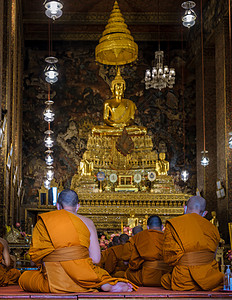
[128, 247]
[104, 253]
[146, 265]
[114, 264]
[190, 243]
[8, 275]
[66, 246]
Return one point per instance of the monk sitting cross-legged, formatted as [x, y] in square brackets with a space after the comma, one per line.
[113, 262]
[190, 243]
[146, 265]
[8, 275]
[66, 246]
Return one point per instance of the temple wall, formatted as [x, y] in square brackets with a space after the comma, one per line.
[78, 98]
[11, 102]
[206, 176]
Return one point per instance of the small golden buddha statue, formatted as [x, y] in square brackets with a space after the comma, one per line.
[86, 166]
[132, 221]
[214, 220]
[162, 165]
[145, 222]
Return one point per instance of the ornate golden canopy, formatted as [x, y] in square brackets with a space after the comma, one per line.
[116, 46]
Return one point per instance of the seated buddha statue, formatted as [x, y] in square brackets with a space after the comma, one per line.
[162, 165]
[118, 111]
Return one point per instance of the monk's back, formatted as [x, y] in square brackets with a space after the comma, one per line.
[149, 244]
[190, 242]
[196, 233]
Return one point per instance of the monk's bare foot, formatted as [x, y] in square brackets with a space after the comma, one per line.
[120, 287]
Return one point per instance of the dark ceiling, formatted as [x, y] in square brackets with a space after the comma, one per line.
[86, 19]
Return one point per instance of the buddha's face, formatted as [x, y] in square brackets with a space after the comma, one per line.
[162, 156]
[119, 89]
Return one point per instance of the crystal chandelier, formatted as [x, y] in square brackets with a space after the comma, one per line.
[184, 175]
[204, 159]
[160, 76]
[188, 20]
[53, 9]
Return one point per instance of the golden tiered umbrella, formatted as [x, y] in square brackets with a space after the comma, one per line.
[116, 46]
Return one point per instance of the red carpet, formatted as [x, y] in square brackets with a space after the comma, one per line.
[14, 292]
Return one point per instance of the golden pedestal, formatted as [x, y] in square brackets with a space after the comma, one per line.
[126, 186]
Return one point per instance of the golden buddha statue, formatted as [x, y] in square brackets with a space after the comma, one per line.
[162, 166]
[145, 222]
[86, 166]
[118, 111]
[132, 221]
[214, 220]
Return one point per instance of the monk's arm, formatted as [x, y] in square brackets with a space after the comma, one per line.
[136, 260]
[41, 243]
[5, 253]
[94, 248]
[126, 252]
[172, 247]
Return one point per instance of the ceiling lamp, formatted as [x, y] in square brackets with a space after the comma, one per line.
[188, 20]
[47, 183]
[184, 175]
[159, 77]
[204, 159]
[48, 114]
[53, 9]
[48, 139]
[51, 70]
[49, 159]
[50, 174]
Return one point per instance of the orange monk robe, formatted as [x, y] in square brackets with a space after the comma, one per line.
[101, 264]
[63, 231]
[147, 249]
[8, 275]
[191, 233]
[114, 264]
[127, 250]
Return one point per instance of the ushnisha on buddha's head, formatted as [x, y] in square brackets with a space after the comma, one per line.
[118, 85]
[68, 200]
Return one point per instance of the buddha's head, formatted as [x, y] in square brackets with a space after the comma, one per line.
[162, 156]
[118, 85]
[213, 214]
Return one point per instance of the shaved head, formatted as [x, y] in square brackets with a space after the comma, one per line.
[115, 240]
[123, 238]
[68, 198]
[196, 204]
[154, 222]
[137, 229]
